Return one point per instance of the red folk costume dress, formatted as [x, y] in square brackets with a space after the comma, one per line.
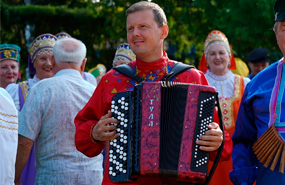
[100, 102]
[230, 88]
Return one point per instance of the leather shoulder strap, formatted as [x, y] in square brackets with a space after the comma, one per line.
[176, 69]
[126, 70]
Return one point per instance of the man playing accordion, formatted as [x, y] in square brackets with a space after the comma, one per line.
[146, 30]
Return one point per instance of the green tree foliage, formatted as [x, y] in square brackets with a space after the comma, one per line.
[101, 25]
[247, 24]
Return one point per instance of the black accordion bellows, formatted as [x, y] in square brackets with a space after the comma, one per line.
[171, 125]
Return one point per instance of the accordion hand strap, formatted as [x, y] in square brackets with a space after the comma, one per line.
[220, 150]
[126, 70]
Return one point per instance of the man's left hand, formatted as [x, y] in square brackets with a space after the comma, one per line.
[212, 139]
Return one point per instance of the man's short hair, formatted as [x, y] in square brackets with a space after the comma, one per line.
[159, 15]
[69, 50]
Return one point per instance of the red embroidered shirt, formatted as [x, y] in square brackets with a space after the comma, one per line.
[114, 82]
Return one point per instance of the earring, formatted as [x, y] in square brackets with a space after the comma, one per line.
[207, 65]
[229, 64]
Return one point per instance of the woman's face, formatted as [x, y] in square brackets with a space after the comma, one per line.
[218, 59]
[8, 72]
[43, 66]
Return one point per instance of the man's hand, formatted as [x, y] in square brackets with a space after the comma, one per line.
[212, 139]
[18, 182]
[23, 152]
[103, 130]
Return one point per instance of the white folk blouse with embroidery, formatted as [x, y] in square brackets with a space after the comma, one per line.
[228, 90]
[224, 84]
[8, 138]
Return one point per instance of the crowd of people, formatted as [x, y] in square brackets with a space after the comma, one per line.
[55, 128]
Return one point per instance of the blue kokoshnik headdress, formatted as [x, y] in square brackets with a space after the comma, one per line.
[9, 51]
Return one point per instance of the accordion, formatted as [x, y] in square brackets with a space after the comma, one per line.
[159, 123]
[270, 148]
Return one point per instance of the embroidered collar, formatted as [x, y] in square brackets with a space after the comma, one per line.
[218, 77]
[152, 65]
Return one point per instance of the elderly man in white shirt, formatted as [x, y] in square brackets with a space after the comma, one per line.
[8, 137]
[47, 119]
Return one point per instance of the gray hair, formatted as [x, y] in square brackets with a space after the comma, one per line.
[275, 27]
[227, 47]
[69, 50]
[159, 15]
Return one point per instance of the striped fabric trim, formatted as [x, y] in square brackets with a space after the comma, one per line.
[274, 94]
[9, 128]
[12, 122]
[8, 115]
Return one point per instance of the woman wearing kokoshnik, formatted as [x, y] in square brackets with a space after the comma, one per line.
[217, 62]
[9, 64]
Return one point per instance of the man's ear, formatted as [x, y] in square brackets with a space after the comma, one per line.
[82, 67]
[164, 31]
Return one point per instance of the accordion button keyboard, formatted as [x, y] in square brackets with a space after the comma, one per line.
[119, 148]
[205, 117]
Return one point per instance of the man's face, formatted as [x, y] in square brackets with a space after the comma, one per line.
[280, 36]
[255, 68]
[144, 36]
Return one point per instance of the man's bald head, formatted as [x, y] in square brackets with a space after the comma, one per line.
[69, 50]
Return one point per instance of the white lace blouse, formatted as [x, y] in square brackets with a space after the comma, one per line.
[224, 84]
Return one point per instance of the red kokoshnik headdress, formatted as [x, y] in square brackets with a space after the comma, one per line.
[215, 37]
